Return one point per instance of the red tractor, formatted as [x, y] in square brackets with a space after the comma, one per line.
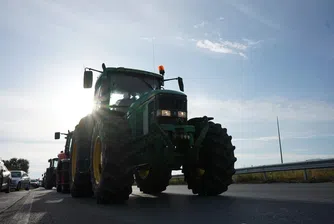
[62, 173]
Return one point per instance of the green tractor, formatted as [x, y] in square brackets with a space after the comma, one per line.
[140, 131]
[49, 178]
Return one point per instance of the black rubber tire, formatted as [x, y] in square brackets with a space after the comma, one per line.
[50, 182]
[65, 189]
[216, 157]
[28, 187]
[116, 171]
[8, 187]
[156, 181]
[59, 188]
[18, 187]
[81, 186]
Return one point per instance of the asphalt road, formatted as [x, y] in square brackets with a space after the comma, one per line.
[7, 200]
[242, 204]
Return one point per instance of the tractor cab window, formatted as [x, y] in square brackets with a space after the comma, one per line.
[122, 89]
[55, 163]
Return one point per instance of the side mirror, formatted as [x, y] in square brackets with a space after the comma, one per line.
[180, 81]
[49, 160]
[57, 135]
[88, 79]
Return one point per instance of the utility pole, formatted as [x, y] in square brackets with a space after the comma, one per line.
[279, 140]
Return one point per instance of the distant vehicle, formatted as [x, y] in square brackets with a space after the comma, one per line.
[50, 174]
[20, 180]
[5, 178]
[35, 183]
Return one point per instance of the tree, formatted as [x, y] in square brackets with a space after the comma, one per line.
[17, 164]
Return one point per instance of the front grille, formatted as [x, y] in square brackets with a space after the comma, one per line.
[172, 102]
[172, 120]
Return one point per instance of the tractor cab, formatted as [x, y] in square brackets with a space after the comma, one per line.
[53, 163]
[118, 88]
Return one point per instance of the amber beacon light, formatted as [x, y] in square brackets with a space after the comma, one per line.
[161, 69]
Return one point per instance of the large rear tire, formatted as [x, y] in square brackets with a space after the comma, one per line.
[80, 183]
[153, 181]
[213, 174]
[50, 179]
[111, 169]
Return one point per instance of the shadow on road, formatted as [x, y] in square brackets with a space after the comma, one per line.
[53, 207]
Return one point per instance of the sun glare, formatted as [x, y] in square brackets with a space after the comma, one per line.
[73, 106]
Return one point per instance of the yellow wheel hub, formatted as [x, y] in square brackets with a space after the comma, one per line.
[143, 174]
[200, 172]
[74, 161]
[97, 160]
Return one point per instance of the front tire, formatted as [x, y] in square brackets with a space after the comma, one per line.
[111, 171]
[8, 187]
[154, 182]
[216, 159]
[18, 187]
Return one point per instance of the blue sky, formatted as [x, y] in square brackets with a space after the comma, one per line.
[242, 62]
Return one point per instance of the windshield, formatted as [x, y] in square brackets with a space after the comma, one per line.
[55, 163]
[137, 84]
[16, 174]
[124, 89]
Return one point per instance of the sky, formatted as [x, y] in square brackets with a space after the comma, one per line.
[243, 63]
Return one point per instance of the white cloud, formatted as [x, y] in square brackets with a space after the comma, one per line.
[235, 45]
[221, 18]
[243, 55]
[201, 24]
[251, 42]
[215, 47]
[225, 47]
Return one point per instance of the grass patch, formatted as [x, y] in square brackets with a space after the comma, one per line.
[296, 176]
[177, 181]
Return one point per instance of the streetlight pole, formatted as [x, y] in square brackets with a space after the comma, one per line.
[279, 140]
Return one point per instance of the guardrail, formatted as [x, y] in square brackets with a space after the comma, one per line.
[305, 165]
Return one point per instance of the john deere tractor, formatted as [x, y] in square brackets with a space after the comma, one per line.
[140, 131]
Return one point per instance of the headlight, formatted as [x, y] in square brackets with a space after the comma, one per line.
[182, 114]
[164, 113]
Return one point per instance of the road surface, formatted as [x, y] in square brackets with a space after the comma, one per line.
[7, 200]
[242, 204]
